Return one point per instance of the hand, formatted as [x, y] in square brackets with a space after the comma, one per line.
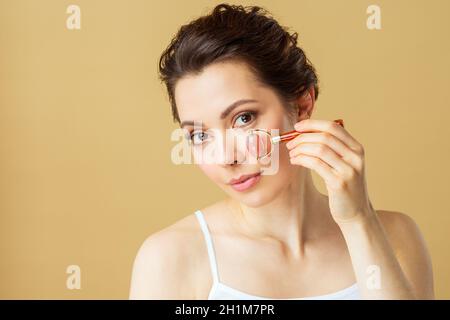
[328, 149]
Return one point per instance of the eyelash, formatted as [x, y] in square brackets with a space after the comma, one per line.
[245, 113]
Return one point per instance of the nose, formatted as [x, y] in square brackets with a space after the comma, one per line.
[231, 150]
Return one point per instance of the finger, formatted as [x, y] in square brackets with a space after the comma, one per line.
[332, 128]
[332, 142]
[324, 170]
[326, 154]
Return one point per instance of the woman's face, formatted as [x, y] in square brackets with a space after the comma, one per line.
[205, 98]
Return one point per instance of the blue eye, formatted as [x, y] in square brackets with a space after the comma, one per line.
[246, 117]
[198, 137]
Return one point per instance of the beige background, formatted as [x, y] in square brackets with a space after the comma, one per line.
[85, 170]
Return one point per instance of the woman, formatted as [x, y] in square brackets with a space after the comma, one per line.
[275, 236]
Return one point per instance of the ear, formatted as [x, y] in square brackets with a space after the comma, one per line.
[306, 104]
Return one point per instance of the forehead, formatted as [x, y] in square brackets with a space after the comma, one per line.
[208, 93]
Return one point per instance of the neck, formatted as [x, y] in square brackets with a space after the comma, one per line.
[294, 217]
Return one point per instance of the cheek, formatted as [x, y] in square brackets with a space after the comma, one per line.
[286, 174]
[286, 170]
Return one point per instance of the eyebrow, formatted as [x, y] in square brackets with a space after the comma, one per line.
[224, 113]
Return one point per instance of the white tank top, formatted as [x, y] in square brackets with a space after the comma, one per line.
[220, 291]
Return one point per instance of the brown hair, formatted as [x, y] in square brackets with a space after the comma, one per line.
[234, 32]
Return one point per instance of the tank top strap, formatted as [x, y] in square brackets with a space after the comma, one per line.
[209, 245]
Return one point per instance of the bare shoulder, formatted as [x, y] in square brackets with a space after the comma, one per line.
[395, 220]
[411, 250]
[164, 263]
[401, 229]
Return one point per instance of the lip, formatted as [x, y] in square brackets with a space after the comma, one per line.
[245, 182]
[243, 177]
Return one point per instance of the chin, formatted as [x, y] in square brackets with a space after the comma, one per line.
[263, 193]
